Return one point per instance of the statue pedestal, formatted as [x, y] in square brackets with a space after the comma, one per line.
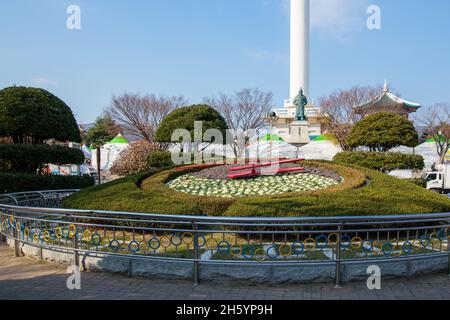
[300, 123]
[299, 133]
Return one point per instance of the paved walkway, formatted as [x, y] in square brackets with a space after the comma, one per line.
[24, 278]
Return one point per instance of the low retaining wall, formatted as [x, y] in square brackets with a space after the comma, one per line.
[249, 273]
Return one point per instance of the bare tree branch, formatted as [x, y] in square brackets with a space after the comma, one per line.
[338, 114]
[245, 112]
[139, 115]
[436, 120]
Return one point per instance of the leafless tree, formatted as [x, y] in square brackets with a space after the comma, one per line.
[140, 116]
[436, 121]
[338, 114]
[245, 113]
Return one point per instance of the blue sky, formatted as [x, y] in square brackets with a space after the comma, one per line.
[199, 48]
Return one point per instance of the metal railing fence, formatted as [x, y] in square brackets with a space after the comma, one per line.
[34, 218]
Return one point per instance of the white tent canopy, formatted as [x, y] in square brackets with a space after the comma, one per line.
[320, 149]
[427, 150]
[265, 147]
[86, 151]
[109, 152]
[270, 149]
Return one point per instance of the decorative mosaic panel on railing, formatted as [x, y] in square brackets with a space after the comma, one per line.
[226, 241]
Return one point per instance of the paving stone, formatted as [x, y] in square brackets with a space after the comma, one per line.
[25, 278]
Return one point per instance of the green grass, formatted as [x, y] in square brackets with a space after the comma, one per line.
[153, 196]
[383, 195]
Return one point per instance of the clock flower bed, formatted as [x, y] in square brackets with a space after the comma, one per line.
[203, 183]
[360, 191]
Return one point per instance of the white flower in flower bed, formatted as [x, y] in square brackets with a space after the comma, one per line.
[259, 186]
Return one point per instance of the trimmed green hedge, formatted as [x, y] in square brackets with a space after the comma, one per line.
[363, 192]
[10, 182]
[419, 182]
[382, 195]
[381, 161]
[160, 159]
[29, 158]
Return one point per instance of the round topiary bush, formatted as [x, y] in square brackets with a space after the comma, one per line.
[383, 131]
[33, 115]
[185, 118]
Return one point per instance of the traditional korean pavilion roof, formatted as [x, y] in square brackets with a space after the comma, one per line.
[387, 100]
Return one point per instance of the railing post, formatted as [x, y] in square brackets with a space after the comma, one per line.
[76, 254]
[16, 243]
[448, 249]
[338, 258]
[2, 237]
[44, 199]
[196, 270]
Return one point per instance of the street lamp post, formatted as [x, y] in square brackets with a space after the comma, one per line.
[257, 146]
[272, 118]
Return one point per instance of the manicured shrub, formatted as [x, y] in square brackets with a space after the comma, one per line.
[133, 159]
[382, 195]
[10, 182]
[28, 158]
[382, 132]
[140, 177]
[160, 159]
[195, 166]
[185, 117]
[156, 186]
[381, 161]
[363, 192]
[33, 115]
[418, 181]
[153, 195]
[147, 192]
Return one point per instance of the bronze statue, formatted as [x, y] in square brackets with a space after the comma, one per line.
[300, 102]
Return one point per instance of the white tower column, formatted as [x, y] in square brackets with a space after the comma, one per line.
[300, 47]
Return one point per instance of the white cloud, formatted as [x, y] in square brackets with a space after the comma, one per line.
[338, 15]
[338, 19]
[44, 81]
